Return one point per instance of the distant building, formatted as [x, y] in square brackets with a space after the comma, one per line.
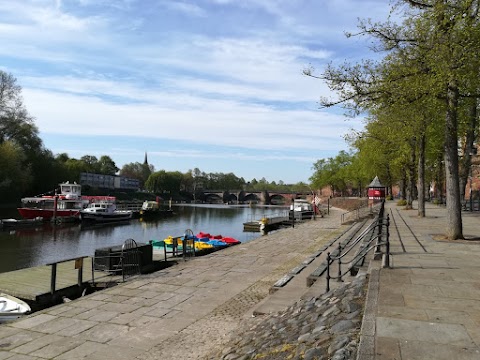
[109, 181]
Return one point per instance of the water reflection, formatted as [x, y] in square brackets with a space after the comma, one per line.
[20, 248]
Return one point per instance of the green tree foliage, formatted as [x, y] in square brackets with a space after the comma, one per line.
[14, 178]
[18, 138]
[431, 58]
[138, 171]
[164, 182]
[332, 172]
[91, 164]
[107, 166]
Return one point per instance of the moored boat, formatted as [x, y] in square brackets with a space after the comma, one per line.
[15, 223]
[151, 209]
[104, 211]
[230, 241]
[12, 308]
[301, 209]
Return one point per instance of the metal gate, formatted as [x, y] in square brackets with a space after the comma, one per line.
[130, 259]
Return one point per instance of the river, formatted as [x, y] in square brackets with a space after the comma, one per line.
[28, 247]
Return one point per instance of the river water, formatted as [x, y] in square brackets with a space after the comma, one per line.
[28, 247]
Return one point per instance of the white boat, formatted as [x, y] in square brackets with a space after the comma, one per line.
[12, 308]
[301, 209]
[104, 211]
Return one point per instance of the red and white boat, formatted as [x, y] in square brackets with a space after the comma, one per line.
[66, 204]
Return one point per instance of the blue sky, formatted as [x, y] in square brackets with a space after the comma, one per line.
[209, 84]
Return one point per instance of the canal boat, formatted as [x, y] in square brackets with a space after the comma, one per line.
[65, 204]
[104, 212]
[12, 308]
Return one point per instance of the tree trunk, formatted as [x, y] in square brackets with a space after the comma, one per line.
[421, 175]
[466, 161]
[454, 211]
[411, 175]
[439, 178]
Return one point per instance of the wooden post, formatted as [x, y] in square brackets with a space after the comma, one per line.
[79, 267]
[53, 278]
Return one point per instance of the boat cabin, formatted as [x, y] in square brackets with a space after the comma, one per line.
[71, 191]
[301, 205]
[150, 205]
[101, 207]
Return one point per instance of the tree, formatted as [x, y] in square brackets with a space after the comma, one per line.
[137, 171]
[14, 178]
[17, 128]
[332, 172]
[107, 166]
[164, 182]
[435, 55]
[91, 163]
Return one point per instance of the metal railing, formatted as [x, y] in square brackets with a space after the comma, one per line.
[78, 267]
[375, 236]
[125, 262]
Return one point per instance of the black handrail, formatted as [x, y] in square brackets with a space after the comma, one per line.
[375, 236]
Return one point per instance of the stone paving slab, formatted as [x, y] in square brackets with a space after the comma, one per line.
[429, 300]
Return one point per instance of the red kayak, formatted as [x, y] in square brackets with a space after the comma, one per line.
[230, 240]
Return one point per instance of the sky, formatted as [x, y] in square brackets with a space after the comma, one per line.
[210, 84]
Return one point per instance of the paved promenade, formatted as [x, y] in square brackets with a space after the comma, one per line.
[427, 306]
[182, 312]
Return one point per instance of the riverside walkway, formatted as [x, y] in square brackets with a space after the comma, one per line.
[426, 306]
[182, 312]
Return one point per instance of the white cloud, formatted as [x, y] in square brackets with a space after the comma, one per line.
[223, 123]
[226, 72]
[186, 8]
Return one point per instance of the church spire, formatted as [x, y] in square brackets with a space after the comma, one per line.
[145, 162]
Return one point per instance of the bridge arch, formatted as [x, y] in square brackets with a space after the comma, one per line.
[230, 198]
[252, 197]
[213, 198]
[278, 199]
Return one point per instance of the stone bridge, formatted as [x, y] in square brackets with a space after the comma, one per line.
[255, 197]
